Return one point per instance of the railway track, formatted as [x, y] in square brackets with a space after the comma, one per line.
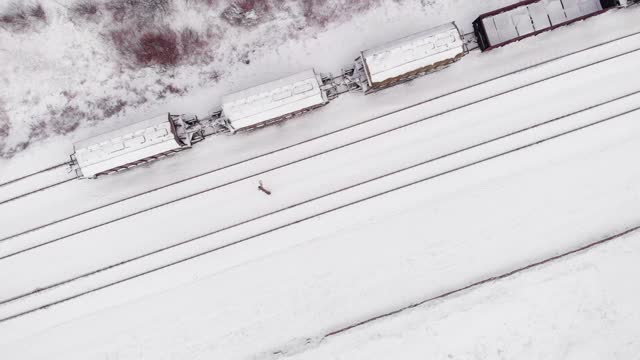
[46, 187]
[560, 132]
[242, 178]
[32, 183]
[488, 280]
[23, 177]
[476, 284]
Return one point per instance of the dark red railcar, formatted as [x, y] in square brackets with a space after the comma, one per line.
[532, 17]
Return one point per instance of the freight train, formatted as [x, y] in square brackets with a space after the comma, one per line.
[373, 70]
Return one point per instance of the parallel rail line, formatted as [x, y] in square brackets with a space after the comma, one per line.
[53, 167]
[295, 161]
[306, 218]
[36, 191]
[503, 276]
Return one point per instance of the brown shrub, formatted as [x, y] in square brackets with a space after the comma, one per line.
[117, 9]
[123, 41]
[38, 130]
[321, 12]
[69, 94]
[86, 8]
[110, 106]
[20, 16]
[246, 12]
[37, 11]
[16, 18]
[139, 11]
[5, 125]
[209, 3]
[158, 47]
[67, 120]
[8, 154]
[171, 89]
[191, 42]
[152, 47]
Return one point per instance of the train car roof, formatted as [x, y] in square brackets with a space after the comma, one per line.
[527, 17]
[271, 100]
[116, 148]
[413, 52]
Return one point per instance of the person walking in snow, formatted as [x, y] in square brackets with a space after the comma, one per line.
[262, 188]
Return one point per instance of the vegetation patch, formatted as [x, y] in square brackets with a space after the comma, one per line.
[22, 16]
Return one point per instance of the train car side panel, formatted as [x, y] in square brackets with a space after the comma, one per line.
[532, 17]
[412, 56]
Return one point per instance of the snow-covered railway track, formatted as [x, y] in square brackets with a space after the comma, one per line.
[527, 267]
[24, 177]
[25, 185]
[64, 228]
[31, 192]
[355, 194]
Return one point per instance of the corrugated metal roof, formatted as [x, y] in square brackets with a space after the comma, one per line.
[413, 52]
[271, 100]
[123, 146]
[535, 16]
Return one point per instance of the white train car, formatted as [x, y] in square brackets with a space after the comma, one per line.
[274, 101]
[130, 146]
[410, 57]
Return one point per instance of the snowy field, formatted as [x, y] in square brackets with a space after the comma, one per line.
[340, 268]
[581, 307]
[501, 160]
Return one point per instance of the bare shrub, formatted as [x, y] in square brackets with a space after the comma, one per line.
[139, 11]
[69, 94]
[192, 43]
[321, 12]
[8, 154]
[152, 47]
[4, 130]
[209, 3]
[16, 18]
[86, 8]
[118, 10]
[37, 11]
[246, 12]
[38, 130]
[158, 47]
[67, 120]
[21, 15]
[171, 89]
[110, 106]
[123, 41]
[5, 125]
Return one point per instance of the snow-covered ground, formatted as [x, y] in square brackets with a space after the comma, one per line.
[301, 282]
[379, 202]
[582, 307]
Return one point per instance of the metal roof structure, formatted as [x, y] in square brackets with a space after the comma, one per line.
[527, 18]
[272, 100]
[413, 52]
[125, 146]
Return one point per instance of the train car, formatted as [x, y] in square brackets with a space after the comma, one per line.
[532, 17]
[130, 146]
[407, 58]
[274, 101]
